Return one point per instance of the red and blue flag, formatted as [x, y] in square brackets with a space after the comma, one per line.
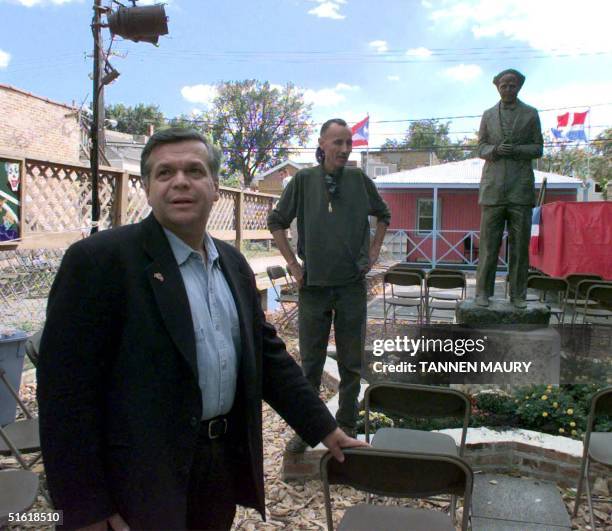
[570, 127]
[361, 132]
[534, 241]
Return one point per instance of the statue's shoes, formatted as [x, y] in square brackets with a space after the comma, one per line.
[519, 303]
[482, 300]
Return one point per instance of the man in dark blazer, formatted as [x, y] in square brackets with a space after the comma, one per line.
[510, 137]
[138, 353]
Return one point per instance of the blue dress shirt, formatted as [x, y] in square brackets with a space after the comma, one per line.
[215, 324]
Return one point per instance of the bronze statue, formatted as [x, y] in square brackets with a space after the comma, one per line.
[509, 138]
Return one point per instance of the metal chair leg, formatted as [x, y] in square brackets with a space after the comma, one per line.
[588, 493]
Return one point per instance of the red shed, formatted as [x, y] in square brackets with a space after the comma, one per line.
[435, 217]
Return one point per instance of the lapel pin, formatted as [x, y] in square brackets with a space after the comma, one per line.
[158, 276]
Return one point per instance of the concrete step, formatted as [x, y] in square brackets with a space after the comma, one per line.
[504, 503]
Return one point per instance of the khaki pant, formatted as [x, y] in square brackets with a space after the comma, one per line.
[492, 225]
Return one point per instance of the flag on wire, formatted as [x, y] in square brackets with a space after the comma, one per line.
[534, 241]
[361, 132]
[570, 127]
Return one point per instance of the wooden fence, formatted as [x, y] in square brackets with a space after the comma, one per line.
[56, 205]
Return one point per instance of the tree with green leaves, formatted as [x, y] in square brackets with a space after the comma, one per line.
[257, 124]
[594, 161]
[135, 120]
[431, 135]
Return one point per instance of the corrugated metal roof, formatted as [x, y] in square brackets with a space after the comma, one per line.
[462, 174]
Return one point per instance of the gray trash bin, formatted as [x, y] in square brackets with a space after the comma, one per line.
[12, 353]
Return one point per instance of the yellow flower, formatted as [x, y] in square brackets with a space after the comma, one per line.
[572, 424]
[570, 411]
[561, 430]
[549, 386]
[527, 397]
[555, 404]
[544, 414]
[544, 397]
[533, 395]
[574, 432]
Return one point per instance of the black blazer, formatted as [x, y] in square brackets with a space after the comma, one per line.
[119, 401]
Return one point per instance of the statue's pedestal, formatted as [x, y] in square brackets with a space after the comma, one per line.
[501, 312]
[514, 334]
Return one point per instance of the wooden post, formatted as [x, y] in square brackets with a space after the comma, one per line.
[121, 199]
[239, 213]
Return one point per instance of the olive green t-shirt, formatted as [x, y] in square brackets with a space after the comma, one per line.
[333, 230]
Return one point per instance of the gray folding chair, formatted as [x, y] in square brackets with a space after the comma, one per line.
[417, 401]
[19, 437]
[18, 490]
[396, 474]
[443, 292]
[556, 285]
[287, 296]
[597, 447]
[597, 302]
[400, 279]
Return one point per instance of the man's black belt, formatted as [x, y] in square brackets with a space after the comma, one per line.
[215, 427]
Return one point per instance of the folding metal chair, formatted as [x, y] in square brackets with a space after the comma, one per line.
[417, 401]
[397, 474]
[285, 296]
[597, 447]
[21, 436]
[448, 291]
[403, 300]
[596, 303]
[18, 490]
[529, 297]
[556, 285]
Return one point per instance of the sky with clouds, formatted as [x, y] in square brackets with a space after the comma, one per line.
[394, 59]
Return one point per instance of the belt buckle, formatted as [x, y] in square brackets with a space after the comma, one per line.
[212, 435]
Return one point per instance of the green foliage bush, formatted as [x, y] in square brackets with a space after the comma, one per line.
[557, 410]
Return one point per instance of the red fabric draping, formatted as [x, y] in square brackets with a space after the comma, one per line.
[575, 237]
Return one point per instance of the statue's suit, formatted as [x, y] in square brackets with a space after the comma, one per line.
[507, 193]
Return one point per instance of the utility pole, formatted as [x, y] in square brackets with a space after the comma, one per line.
[95, 122]
[134, 23]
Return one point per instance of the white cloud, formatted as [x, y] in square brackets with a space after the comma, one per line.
[427, 4]
[204, 94]
[379, 46]
[393, 78]
[5, 59]
[463, 73]
[572, 94]
[419, 52]
[328, 97]
[549, 25]
[32, 3]
[328, 9]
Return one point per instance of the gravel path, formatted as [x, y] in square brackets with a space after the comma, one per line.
[292, 506]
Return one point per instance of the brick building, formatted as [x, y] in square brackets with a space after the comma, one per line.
[38, 127]
[384, 162]
[271, 181]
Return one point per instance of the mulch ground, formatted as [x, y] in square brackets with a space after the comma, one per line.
[300, 506]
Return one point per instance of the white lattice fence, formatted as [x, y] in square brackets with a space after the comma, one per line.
[58, 197]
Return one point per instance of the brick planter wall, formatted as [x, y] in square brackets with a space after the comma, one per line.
[495, 457]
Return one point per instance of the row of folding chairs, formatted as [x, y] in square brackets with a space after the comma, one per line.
[19, 439]
[438, 289]
[420, 464]
[589, 296]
